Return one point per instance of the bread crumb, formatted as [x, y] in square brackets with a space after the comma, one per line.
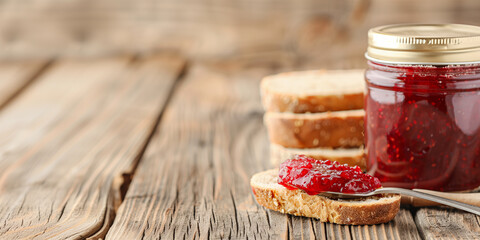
[298, 123]
[275, 202]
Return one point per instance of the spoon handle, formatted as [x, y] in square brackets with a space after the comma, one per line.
[425, 194]
[469, 198]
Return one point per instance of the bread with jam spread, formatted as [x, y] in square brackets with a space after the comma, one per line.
[359, 211]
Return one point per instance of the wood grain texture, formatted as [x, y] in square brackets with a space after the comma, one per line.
[16, 76]
[193, 181]
[401, 228]
[66, 142]
[308, 29]
[446, 223]
[340, 232]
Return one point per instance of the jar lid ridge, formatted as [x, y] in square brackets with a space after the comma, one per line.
[424, 43]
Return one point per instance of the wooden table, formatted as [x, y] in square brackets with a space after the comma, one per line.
[156, 146]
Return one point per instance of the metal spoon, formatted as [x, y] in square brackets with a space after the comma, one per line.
[407, 192]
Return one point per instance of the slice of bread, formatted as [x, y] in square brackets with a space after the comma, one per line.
[350, 156]
[314, 130]
[313, 91]
[361, 211]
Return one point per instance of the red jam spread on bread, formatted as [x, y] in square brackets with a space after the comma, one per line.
[423, 126]
[316, 176]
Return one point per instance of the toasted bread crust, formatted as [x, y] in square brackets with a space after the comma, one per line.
[367, 211]
[327, 130]
[352, 157]
[298, 101]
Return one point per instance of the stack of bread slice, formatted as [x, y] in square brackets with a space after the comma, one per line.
[318, 114]
[315, 113]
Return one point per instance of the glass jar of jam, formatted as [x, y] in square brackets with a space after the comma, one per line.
[422, 121]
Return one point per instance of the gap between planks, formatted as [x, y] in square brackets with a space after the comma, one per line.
[32, 73]
[128, 176]
[122, 182]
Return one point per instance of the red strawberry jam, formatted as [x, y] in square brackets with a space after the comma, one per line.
[422, 106]
[423, 125]
[316, 176]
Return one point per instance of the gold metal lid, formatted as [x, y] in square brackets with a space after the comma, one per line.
[424, 44]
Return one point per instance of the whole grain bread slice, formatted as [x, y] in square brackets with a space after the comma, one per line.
[350, 156]
[313, 130]
[313, 91]
[362, 211]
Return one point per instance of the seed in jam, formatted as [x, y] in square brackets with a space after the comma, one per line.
[316, 176]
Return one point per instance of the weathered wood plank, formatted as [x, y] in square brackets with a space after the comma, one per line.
[66, 142]
[401, 228]
[335, 231]
[16, 76]
[445, 223]
[193, 181]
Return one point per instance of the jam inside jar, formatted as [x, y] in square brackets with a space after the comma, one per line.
[422, 125]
